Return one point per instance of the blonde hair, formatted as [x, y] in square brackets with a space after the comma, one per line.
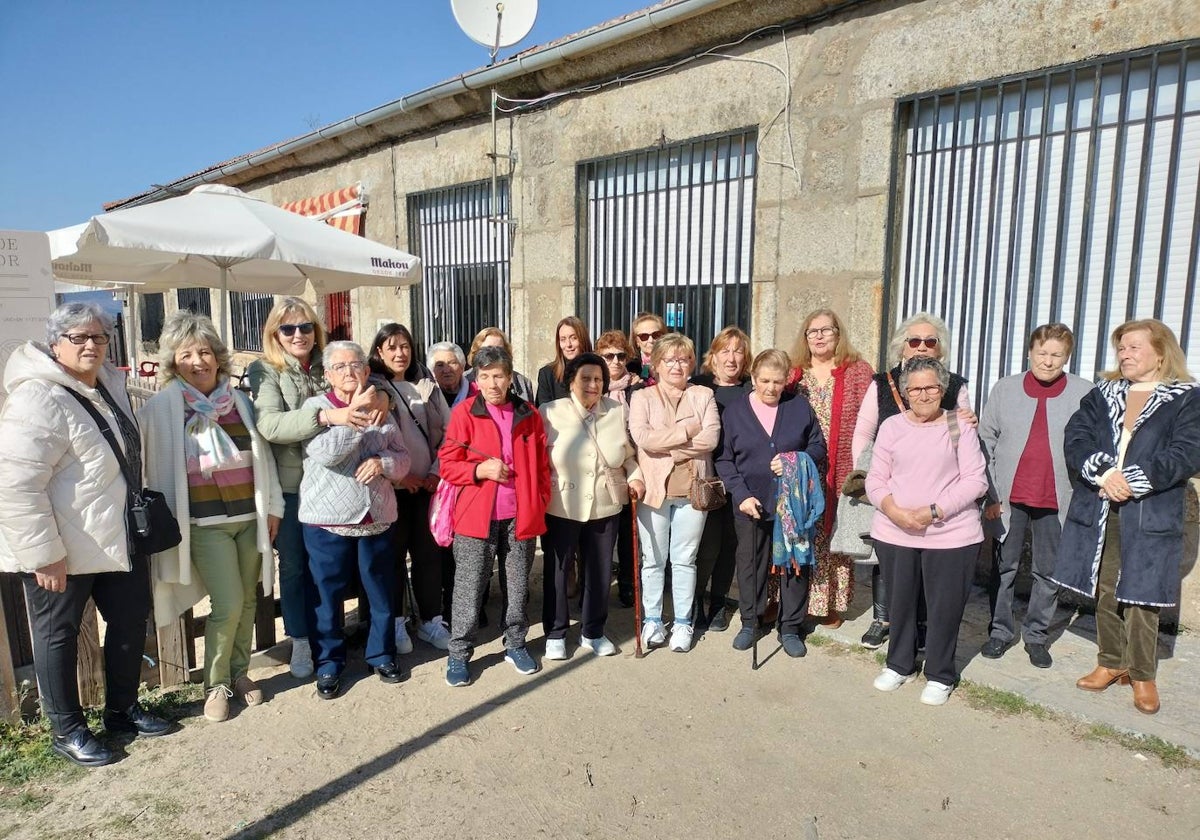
[843, 352]
[644, 316]
[896, 345]
[722, 340]
[1173, 367]
[672, 341]
[483, 335]
[185, 328]
[773, 359]
[273, 351]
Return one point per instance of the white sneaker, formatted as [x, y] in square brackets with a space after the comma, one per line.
[601, 646]
[403, 642]
[435, 632]
[556, 649]
[653, 634]
[301, 665]
[889, 680]
[936, 693]
[681, 638]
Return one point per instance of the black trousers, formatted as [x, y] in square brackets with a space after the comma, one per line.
[594, 541]
[414, 538]
[716, 560]
[754, 565]
[944, 576]
[123, 599]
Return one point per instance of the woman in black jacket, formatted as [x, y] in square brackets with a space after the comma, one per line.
[570, 340]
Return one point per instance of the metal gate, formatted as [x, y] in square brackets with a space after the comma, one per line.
[197, 300]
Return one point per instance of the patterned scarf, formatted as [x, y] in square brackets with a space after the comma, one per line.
[205, 443]
[798, 507]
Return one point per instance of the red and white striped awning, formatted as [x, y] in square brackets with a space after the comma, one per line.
[341, 208]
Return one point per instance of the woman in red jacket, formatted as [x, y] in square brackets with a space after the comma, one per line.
[495, 453]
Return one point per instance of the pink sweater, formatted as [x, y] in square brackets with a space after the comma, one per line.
[915, 464]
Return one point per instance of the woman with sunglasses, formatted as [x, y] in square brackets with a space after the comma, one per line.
[922, 335]
[289, 373]
[647, 328]
[571, 340]
[613, 347]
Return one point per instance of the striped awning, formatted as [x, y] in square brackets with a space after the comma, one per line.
[341, 208]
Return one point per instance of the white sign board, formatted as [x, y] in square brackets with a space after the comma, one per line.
[26, 291]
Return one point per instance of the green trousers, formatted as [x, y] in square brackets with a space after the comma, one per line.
[1127, 634]
[227, 558]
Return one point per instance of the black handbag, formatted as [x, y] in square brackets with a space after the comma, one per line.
[151, 526]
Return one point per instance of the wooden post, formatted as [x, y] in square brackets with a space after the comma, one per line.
[91, 659]
[10, 702]
[172, 652]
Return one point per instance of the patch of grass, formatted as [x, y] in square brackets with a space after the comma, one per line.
[173, 703]
[25, 800]
[25, 753]
[817, 640]
[999, 701]
[1171, 755]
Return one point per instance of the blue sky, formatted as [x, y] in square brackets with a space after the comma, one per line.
[102, 99]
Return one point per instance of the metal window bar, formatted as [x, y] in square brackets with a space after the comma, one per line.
[1071, 194]
[668, 230]
[248, 311]
[465, 246]
[197, 300]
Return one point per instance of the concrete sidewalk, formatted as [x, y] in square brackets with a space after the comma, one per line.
[1073, 647]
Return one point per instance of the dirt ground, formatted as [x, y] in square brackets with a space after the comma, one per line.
[671, 746]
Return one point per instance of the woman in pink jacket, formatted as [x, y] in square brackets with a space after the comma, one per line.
[926, 474]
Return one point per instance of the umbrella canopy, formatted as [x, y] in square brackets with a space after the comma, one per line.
[219, 237]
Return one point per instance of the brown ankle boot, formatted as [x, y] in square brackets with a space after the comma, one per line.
[1102, 678]
[1145, 696]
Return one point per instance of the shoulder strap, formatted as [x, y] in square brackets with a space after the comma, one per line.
[895, 393]
[955, 431]
[107, 431]
[408, 408]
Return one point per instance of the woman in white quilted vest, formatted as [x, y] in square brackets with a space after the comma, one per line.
[205, 454]
[63, 523]
[347, 511]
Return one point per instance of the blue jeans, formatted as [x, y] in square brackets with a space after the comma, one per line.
[671, 532]
[332, 560]
[294, 578]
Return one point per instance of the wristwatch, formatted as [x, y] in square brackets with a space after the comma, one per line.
[933, 513]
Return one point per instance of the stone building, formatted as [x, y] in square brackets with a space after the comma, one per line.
[1002, 163]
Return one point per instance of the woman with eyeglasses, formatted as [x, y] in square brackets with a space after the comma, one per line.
[647, 328]
[835, 379]
[920, 336]
[495, 337]
[726, 370]
[927, 470]
[348, 509]
[571, 340]
[281, 382]
[63, 523]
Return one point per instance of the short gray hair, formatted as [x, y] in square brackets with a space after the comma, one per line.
[924, 364]
[446, 347]
[896, 345]
[341, 346]
[76, 314]
[488, 357]
[183, 329]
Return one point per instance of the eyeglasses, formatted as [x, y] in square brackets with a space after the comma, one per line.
[917, 342]
[820, 332]
[342, 368]
[615, 357]
[656, 335]
[681, 361]
[927, 390]
[290, 329]
[79, 339]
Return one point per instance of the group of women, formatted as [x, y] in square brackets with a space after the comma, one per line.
[340, 459]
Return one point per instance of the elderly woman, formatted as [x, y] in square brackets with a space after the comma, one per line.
[205, 454]
[593, 473]
[830, 373]
[282, 381]
[571, 339]
[448, 364]
[676, 427]
[495, 337]
[646, 329]
[1133, 444]
[923, 335]
[614, 348]
[63, 523]
[927, 472]
[348, 507]
[1022, 429]
[726, 370]
[495, 453]
[760, 430]
[421, 414]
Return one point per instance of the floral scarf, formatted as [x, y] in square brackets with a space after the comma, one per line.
[798, 507]
[205, 443]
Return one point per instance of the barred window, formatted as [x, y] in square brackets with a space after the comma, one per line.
[1069, 195]
[196, 300]
[248, 311]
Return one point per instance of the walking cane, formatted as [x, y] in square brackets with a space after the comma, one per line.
[637, 584]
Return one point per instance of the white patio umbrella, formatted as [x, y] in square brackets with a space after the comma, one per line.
[221, 238]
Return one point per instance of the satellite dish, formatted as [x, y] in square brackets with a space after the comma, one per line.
[495, 23]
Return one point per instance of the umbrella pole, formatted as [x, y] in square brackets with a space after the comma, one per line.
[225, 305]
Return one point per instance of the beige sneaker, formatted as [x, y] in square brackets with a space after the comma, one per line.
[216, 707]
[247, 691]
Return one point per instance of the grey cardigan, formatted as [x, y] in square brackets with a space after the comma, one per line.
[1004, 431]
